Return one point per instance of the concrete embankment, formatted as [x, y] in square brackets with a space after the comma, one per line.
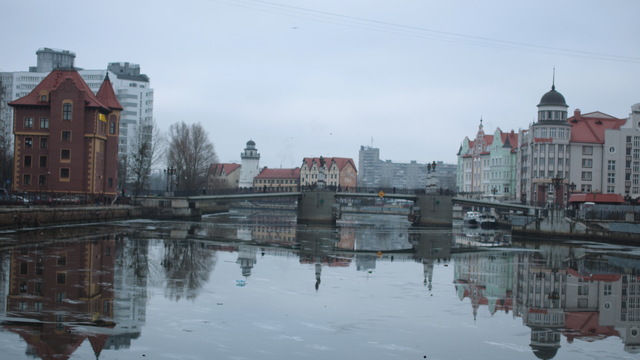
[21, 217]
[557, 225]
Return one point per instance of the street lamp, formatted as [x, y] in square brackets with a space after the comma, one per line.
[557, 181]
[170, 171]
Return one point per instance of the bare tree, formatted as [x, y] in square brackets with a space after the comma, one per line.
[191, 154]
[145, 151]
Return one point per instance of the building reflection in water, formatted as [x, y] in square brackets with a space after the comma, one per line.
[59, 294]
[557, 290]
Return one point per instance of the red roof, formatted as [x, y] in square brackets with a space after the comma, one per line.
[597, 198]
[267, 173]
[53, 81]
[340, 162]
[589, 128]
[107, 96]
[226, 169]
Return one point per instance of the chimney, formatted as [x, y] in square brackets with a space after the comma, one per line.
[576, 113]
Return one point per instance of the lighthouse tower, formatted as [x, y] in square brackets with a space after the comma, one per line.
[250, 165]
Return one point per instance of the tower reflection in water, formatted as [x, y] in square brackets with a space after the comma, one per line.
[557, 290]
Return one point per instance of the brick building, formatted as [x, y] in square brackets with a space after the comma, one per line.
[66, 137]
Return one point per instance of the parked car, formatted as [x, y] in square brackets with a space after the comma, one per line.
[67, 199]
[42, 200]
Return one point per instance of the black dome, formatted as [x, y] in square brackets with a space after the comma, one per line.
[553, 98]
[252, 143]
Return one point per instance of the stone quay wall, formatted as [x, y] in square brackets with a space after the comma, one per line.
[21, 217]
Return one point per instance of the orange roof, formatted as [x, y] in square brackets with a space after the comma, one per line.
[219, 169]
[267, 173]
[107, 96]
[340, 162]
[596, 198]
[589, 128]
[53, 81]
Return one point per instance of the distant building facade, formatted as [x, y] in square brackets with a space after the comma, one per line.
[270, 180]
[66, 138]
[224, 176]
[335, 172]
[487, 164]
[376, 173]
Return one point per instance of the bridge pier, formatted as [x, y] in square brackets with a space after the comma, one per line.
[435, 209]
[316, 206]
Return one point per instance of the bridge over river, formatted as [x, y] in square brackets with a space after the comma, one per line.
[324, 206]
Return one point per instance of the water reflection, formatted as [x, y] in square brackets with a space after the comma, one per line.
[58, 294]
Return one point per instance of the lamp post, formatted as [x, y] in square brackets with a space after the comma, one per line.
[170, 171]
[557, 181]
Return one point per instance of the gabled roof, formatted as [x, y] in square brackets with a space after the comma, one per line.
[597, 198]
[340, 162]
[223, 169]
[590, 128]
[107, 96]
[267, 173]
[52, 82]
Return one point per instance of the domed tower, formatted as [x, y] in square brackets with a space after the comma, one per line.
[552, 107]
[250, 165]
[547, 154]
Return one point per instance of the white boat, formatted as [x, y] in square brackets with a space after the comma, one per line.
[471, 218]
[487, 221]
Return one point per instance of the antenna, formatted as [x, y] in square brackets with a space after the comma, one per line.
[553, 82]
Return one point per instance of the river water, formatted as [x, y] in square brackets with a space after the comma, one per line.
[256, 285]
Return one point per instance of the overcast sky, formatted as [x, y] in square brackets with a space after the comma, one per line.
[309, 78]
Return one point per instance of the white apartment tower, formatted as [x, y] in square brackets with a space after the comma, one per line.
[131, 87]
[250, 165]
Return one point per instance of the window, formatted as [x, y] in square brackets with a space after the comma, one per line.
[66, 111]
[62, 260]
[42, 180]
[585, 188]
[110, 182]
[587, 150]
[44, 143]
[611, 189]
[65, 154]
[28, 122]
[26, 179]
[43, 161]
[27, 161]
[60, 297]
[586, 175]
[24, 268]
[587, 163]
[64, 173]
[23, 287]
[611, 178]
[28, 143]
[611, 165]
[112, 127]
[61, 278]
[44, 123]
[66, 135]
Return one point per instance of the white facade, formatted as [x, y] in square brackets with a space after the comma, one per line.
[250, 165]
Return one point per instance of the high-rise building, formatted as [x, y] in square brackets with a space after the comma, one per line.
[132, 89]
